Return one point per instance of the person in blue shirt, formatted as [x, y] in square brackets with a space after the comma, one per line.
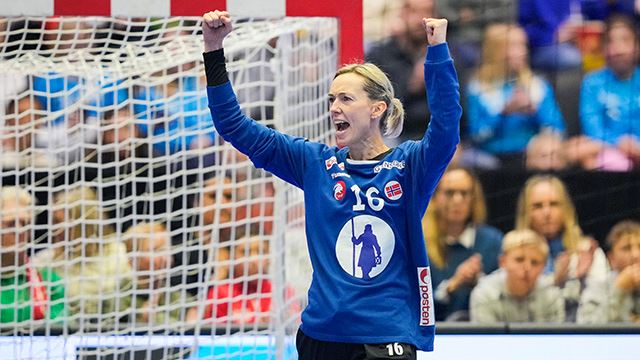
[386, 311]
[507, 104]
[461, 246]
[610, 98]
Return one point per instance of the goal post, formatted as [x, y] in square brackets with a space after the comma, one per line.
[129, 227]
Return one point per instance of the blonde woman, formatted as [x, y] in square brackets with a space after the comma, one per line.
[574, 260]
[507, 103]
[460, 245]
[86, 254]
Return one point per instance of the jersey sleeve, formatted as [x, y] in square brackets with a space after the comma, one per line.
[283, 155]
[439, 143]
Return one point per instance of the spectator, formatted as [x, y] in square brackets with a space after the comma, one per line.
[545, 152]
[516, 292]
[126, 169]
[507, 103]
[610, 98]
[616, 299]
[574, 260]
[468, 20]
[246, 296]
[402, 58]
[551, 28]
[26, 292]
[153, 301]
[18, 150]
[460, 245]
[87, 256]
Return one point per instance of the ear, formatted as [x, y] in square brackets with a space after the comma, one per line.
[378, 108]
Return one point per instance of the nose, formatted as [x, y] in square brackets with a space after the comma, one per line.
[334, 107]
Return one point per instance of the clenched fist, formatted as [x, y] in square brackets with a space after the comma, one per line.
[436, 30]
[216, 25]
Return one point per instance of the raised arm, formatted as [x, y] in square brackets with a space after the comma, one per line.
[281, 154]
[443, 91]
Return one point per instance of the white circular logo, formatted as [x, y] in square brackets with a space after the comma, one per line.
[364, 246]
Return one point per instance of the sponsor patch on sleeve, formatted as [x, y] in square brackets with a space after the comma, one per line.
[427, 316]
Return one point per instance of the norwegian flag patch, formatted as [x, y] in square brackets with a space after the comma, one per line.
[393, 190]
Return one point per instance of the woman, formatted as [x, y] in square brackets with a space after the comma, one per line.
[461, 247]
[574, 260]
[507, 103]
[358, 182]
[610, 97]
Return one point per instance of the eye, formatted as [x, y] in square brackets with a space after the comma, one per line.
[331, 99]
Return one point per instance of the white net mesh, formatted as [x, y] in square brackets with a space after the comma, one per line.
[129, 229]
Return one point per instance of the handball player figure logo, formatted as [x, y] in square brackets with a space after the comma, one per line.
[370, 254]
[382, 195]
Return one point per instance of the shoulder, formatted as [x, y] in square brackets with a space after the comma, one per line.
[596, 78]
[489, 232]
[49, 275]
[489, 287]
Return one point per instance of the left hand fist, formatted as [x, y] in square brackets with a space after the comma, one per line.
[436, 30]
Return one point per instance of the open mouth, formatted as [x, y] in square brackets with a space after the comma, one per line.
[341, 125]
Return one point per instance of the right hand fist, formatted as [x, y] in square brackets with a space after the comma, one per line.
[216, 25]
[436, 30]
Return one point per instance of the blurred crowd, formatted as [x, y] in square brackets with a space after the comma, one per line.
[547, 86]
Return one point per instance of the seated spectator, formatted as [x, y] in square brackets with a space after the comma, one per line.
[516, 292]
[87, 256]
[153, 302]
[545, 152]
[609, 99]
[551, 29]
[27, 292]
[245, 298]
[460, 245]
[617, 299]
[127, 171]
[574, 260]
[402, 58]
[18, 148]
[175, 114]
[467, 22]
[507, 104]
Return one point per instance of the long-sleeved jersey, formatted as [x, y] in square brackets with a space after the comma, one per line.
[371, 280]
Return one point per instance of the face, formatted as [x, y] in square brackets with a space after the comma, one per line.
[14, 233]
[621, 49]
[625, 251]
[412, 14]
[152, 257]
[547, 154]
[17, 130]
[545, 209]
[225, 204]
[121, 132]
[352, 111]
[523, 266]
[517, 51]
[255, 258]
[455, 196]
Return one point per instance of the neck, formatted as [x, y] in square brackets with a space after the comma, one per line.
[455, 229]
[368, 149]
[624, 74]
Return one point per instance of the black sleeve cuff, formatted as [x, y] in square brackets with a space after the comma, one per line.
[215, 68]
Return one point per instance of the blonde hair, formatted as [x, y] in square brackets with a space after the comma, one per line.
[140, 231]
[378, 87]
[82, 208]
[571, 232]
[433, 234]
[525, 237]
[493, 68]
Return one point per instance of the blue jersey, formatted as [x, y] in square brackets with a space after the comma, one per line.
[371, 280]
